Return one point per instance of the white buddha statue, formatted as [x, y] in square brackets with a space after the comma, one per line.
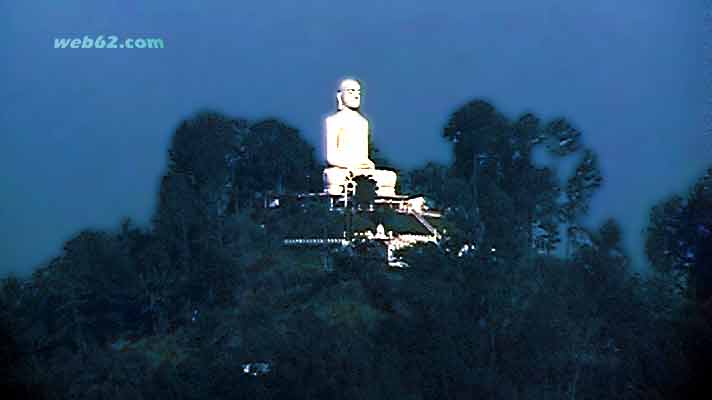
[347, 145]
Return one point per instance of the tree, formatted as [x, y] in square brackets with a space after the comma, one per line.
[561, 138]
[579, 191]
[544, 190]
[201, 148]
[177, 217]
[581, 187]
[494, 157]
[276, 158]
[430, 180]
[521, 175]
[601, 252]
[474, 129]
[698, 234]
[610, 235]
[679, 237]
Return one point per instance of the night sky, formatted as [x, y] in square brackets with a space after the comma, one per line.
[84, 132]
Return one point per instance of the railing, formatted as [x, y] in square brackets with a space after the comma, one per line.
[425, 223]
[314, 242]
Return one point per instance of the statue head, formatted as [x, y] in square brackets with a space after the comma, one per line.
[349, 94]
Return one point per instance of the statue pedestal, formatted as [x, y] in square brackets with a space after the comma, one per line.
[337, 178]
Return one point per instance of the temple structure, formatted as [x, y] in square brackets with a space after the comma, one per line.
[362, 198]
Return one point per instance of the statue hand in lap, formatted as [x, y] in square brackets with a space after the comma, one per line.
[366, 164]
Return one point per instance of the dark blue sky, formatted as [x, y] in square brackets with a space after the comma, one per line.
[84, 132]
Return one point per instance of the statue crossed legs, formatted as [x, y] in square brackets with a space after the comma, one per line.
[335, 179]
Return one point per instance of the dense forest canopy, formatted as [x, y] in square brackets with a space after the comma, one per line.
[206, 303]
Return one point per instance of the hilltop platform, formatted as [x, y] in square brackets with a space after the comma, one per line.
[393, 222]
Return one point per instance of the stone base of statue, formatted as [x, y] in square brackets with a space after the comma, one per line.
[337, 180]
[365, 217]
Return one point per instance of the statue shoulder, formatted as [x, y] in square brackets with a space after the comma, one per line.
[342, 118]
[333, 119]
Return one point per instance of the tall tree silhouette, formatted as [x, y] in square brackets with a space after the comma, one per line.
[579, 190]
[474, 129]
[276, 158]
[679, 236]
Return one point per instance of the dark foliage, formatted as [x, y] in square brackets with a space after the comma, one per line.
[207, 305]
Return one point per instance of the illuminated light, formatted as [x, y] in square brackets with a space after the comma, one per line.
[258, 368]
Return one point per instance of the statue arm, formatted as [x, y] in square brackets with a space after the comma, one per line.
[333, 155]
[368, 163]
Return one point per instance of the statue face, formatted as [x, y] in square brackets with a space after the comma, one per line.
[350, 91]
